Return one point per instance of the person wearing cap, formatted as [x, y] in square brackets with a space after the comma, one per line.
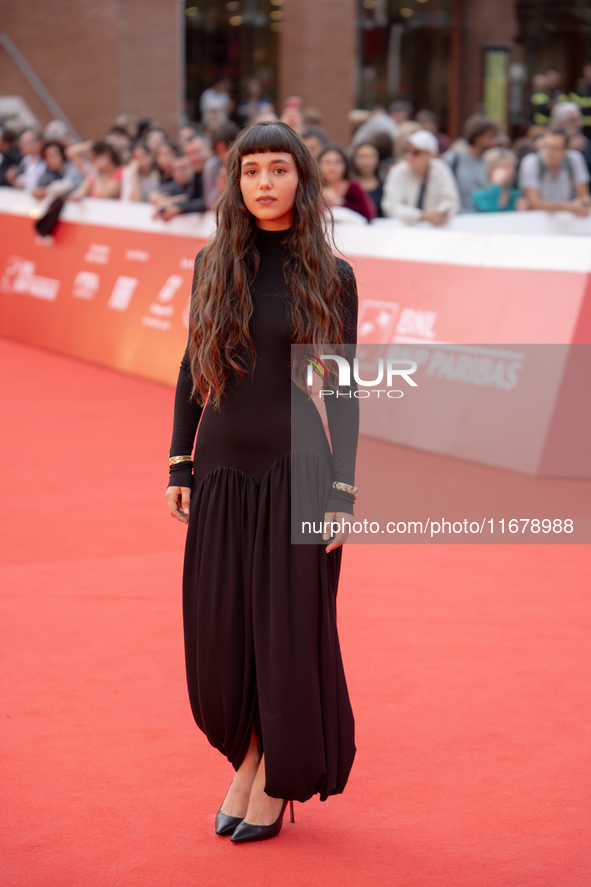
[421, 188]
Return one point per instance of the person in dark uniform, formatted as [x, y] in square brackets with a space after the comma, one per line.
[539, 102]
[546, 92]
[264, 670]
[581, 95]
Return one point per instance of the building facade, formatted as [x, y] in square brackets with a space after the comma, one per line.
[94, 60]
[154, 58]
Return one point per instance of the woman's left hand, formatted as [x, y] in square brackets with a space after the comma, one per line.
[337, 518]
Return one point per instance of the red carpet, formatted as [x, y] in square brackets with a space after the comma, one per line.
[467, 665]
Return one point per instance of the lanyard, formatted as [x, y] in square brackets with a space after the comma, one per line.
[423, 188]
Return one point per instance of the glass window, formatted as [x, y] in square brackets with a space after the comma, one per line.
[555, 33]
[237, 39]
[404, 48]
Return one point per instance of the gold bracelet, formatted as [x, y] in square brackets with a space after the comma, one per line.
[176, 460]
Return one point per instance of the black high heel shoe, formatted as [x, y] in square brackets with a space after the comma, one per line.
[247, 832]
[226, 825]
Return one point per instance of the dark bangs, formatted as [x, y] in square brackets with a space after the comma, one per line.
[274, 136]
[222, 306]
[261, 137]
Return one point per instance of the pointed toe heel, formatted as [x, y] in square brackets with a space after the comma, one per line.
[226, 825]
[247, 832]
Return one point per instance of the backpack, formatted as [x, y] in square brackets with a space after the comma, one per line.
[454, 162]
[542, 168]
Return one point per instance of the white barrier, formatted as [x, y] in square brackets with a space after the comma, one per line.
[114, 287]
[387, 237]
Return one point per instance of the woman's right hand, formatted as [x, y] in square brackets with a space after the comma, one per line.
[179, 500]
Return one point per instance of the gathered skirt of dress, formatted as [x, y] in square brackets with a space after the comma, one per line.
[261, 641]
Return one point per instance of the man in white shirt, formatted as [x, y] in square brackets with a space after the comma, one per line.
[421, 188]
[32, 166]
[217, 98]
[555, 178]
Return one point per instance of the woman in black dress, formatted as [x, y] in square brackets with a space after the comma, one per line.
[264, 670]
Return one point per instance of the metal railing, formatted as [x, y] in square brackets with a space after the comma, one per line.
[36, 84]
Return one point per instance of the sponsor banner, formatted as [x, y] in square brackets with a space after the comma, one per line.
[114, 286]
[465, 411]
[409, 302]
[112, 296]
[515, 407]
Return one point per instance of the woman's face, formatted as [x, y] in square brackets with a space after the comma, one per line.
[332, 166]
[143, 159]
[165, 158]
[314, 145]
[102, 163]
[268, 182]
[53, 159]
[503, 173]
[366, 160]
[154, 138]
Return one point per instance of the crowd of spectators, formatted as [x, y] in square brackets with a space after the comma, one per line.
[397, 164]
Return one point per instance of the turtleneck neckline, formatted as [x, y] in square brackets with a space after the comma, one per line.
[273, 241]
[265, 234]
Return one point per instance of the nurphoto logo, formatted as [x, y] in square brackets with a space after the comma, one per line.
[395, 369]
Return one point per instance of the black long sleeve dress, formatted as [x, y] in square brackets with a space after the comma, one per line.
[259, 613]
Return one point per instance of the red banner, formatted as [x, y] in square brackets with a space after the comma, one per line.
[114, 287]
[117, 297]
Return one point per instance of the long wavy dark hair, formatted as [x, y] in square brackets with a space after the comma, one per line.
[221, 305]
